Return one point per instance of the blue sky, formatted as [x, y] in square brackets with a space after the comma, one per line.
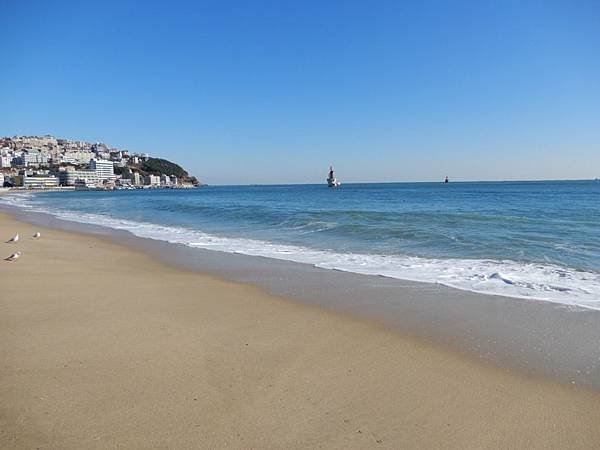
[273, 91]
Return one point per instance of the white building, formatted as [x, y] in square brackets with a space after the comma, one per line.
[165, 180]
[136, 179]
[40, 182]
[152, 180]
[101, 154]
[33, 157]
[76, 157]
[5, 161]
[72, 177]
[104, 169]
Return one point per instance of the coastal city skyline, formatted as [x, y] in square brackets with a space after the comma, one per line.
[47, 162]
[272, 93]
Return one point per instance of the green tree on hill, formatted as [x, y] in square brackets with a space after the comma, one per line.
[157, 166]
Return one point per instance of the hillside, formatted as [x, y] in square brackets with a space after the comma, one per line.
[157, 166]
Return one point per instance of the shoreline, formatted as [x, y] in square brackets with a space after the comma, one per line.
[172, 357]
[552, 282]
[534, 338]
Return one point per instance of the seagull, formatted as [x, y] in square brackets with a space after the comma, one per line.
[36, 235]
[13, 256]
[15, 238]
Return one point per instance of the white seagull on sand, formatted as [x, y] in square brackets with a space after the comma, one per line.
[15, 238]
[36, 235]
[13, 256]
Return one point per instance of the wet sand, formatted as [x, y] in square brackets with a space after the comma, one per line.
[103, 346]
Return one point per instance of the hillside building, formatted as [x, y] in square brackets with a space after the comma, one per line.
[104, 169]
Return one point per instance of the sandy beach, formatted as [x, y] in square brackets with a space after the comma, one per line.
[104, 347]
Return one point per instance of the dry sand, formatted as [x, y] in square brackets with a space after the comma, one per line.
[103, 347]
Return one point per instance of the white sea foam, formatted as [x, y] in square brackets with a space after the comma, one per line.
[509, 278]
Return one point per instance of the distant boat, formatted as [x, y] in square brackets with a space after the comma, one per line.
[332, 181]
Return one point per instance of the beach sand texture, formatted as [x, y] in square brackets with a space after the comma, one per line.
[104, 347]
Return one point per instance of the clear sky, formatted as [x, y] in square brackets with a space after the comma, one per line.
[274, 91]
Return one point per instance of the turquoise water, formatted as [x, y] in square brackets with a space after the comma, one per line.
[523, 239]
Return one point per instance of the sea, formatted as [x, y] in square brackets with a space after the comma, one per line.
[532, 240]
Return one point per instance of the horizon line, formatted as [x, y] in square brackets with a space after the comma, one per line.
[407, 182]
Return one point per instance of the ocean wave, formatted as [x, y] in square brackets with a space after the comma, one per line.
[540, 281]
